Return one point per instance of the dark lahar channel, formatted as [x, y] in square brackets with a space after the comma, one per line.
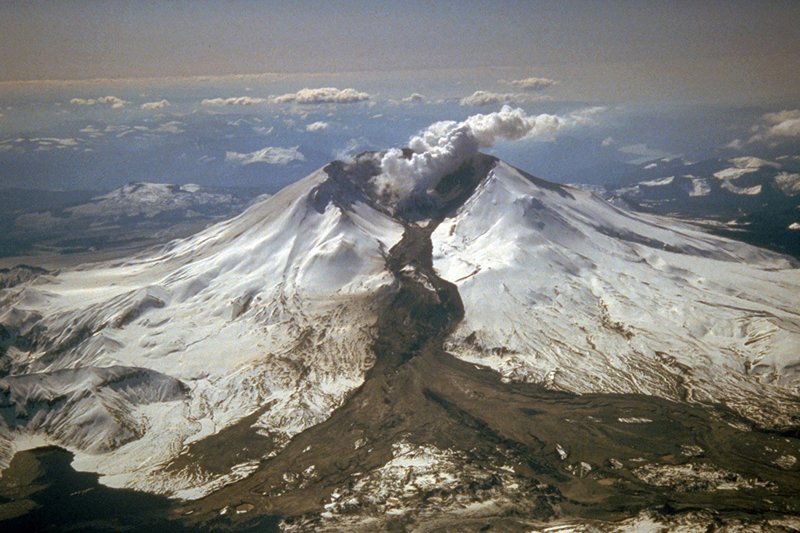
[506, 456]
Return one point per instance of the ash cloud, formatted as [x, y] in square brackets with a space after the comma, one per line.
[444, 146]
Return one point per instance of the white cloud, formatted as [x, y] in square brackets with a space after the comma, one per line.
[92, 131]
[83, 101]
[40, 144]
[608, 141]
[782, 116]
[484, 98]
[154, 106]
[272, 155]
[736, 144]
[172, 126]
[788, 183]
[123, 130]
[414, 98]
[644, 152]
[239, 122]
[784, 123]
[317, 126]
[57, 142]
[530, 84]
[444, 146]
[777, 126]
[113, 101]
[322, 95]
[234, 100]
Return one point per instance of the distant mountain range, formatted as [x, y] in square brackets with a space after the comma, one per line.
[141, 212]
[747, 198]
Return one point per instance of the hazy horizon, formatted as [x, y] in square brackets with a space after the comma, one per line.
[734, 52]
[259, 94]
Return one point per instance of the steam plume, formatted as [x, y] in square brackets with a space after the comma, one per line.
[444, 146]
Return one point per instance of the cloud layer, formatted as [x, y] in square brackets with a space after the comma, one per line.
[233, 100]
[322, 95]
[40, 144]
[530, 84]
[113, 101]
[154, 106]
[414, 98]
[783, 124]
[272, 155]
[317, 126]
[774, 127]
[485, 98]
[444, 146]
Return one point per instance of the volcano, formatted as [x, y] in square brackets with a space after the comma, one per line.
[490, 350]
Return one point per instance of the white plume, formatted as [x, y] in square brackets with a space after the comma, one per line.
[444, 146]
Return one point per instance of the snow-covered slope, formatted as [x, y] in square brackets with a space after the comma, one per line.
[268, 320]
[273, 308]
[560, 287]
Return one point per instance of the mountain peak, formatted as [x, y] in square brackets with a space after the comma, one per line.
[359, 180]
[350, 280]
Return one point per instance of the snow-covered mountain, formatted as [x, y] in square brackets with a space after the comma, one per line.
[141, 200]
[714, 181]
[274, 312]
[560, 287]
[303, 351]
[138, 213]
[755, 199]
[272, 308]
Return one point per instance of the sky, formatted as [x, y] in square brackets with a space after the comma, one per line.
[733, 52]
[95, 94]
